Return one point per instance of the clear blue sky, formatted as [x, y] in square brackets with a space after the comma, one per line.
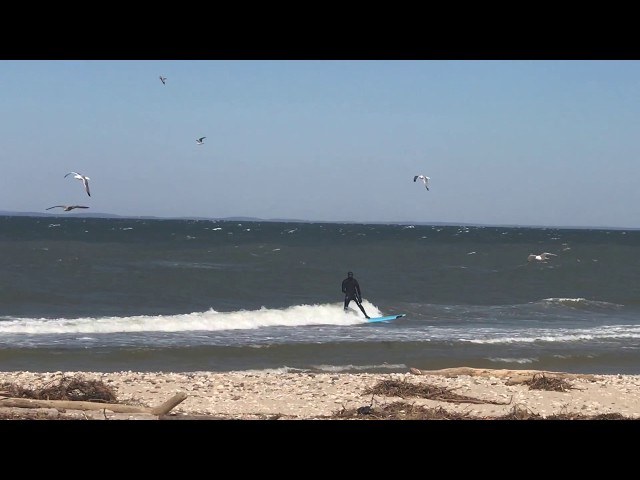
[552, 143]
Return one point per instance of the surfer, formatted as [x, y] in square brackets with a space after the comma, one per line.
[351, 290]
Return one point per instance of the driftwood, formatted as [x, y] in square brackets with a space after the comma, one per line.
[83, 405]
[512, 377]
[404, 389]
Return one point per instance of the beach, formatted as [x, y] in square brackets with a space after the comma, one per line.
[473, 394]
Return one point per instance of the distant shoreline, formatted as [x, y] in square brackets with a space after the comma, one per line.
[288, 220]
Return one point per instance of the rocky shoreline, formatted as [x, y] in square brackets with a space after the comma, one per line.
[299, 396]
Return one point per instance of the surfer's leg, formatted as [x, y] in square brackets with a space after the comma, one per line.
[362, 308]
[347, 299]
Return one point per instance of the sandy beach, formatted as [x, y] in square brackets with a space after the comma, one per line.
[297, 396]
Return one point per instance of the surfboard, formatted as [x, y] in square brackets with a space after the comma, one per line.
[384, 319]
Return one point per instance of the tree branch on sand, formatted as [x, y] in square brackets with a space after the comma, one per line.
[162, 409]
[77, 393]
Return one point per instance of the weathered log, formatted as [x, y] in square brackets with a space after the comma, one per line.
[512, 376]
[83, 405]
[169, 404]
[29, 413]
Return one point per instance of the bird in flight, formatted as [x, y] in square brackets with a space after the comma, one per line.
[67, 208]
[424, 179]
[85, 180]
[162, 79]
[200, 141]
[543, 257]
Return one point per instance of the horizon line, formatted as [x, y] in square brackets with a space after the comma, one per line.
[291, 220]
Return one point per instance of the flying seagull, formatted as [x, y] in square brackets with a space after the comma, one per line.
[424, 179]
[543, 257]
[200, 141]
[85, 180]
[67, 208]
[162, 79]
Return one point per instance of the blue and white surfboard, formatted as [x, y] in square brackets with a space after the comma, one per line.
[384, 319]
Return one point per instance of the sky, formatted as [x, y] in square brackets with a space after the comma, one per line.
[505, 142]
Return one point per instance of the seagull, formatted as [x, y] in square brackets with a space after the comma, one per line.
[162, 79]
[543, 257]
[200, 141]
[67, 208]
[424, 179]
[85, 180]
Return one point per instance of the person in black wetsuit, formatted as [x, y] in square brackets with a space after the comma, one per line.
[351, 290]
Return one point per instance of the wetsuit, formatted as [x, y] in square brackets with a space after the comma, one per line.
[351, 290]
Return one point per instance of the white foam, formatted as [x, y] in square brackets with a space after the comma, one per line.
[210, 320]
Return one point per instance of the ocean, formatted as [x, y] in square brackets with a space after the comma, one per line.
[153, 295]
